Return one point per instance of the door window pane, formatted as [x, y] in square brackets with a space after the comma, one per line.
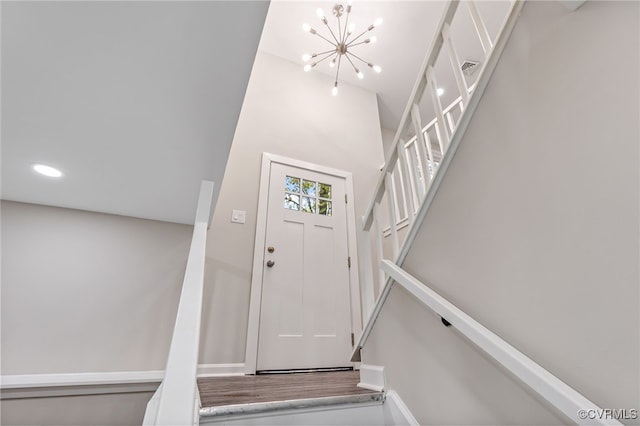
[324, 190]
[308, 204]
[292, 201]
[308, 187]
[292, 184]
[324, 207]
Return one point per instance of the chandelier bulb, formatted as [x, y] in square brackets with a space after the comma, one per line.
[334, 91]
[320, 13]
[373, 39]
[377, 68]
[332, 63]
[306, 57]
[360, 75]
[377, 22]
[306, 27]
[307, 67]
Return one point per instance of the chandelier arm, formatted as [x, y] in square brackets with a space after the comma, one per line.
[352, 64]
[326, 51]
[327, 55]
[346, 28]
[330, 30]
[326, 39]
[338, 70]
[358, 58]
[339, 30]
[358, 44]
[359, 35]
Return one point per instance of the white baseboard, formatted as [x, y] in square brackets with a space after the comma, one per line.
[69, 384]
[372, 377]
[396, 412]
[216, 370]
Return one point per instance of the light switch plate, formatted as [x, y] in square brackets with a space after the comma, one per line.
[238, 216]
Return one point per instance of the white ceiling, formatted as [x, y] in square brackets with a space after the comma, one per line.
[136, 102]
[403, 41]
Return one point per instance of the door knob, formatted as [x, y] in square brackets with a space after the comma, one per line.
[270, 263]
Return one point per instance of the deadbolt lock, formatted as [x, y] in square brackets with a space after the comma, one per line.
[270, 263]
[271, 249]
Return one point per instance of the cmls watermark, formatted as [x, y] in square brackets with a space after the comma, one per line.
[608, 414]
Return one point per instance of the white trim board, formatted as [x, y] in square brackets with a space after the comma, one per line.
[59, 384]
[219, 370]
[23, 381]
[372, 377]
[76, 390]
[253, 327]
[396, 412]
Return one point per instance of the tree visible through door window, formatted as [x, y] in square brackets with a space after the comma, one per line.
[307, 196]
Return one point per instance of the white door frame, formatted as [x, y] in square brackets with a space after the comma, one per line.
[253, 326]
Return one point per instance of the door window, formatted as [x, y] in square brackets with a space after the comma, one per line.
[307, 196]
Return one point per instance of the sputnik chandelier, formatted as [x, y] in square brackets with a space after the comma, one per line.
[343, 43]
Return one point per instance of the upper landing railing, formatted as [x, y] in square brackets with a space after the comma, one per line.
[420, 154]
[176, 402]
[411, 176]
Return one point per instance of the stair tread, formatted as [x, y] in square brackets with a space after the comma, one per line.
[242, 394]
[294, 404]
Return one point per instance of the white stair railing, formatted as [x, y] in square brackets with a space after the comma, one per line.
[410, 179]
[420, 154]
[177, 402]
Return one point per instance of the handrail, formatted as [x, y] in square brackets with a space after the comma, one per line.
[177, 401]
[566, 399]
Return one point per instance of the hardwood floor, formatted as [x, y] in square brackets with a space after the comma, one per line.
[223, 391]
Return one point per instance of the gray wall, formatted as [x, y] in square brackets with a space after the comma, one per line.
[123, 409]
[534, 231]
[87, 292]
[387, 139]
[291, 113]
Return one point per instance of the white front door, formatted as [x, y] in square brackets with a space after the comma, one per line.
[305, 315]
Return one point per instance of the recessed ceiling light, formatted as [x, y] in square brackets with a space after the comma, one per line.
[440, 91]
[47, 170]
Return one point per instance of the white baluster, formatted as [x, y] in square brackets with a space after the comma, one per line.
[455, 64]
[481, 29]
[449, 118]
[423, 138]
[366, 263]
[393, 221]
[443, 134]
[415, 171]
[382, 278]
[408, 195]
[420, 146]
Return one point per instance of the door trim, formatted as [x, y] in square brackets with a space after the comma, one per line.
[253, 325]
